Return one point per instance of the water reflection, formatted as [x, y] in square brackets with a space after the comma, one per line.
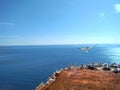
[114, 54]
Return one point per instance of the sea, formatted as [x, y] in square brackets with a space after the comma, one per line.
[25, 67]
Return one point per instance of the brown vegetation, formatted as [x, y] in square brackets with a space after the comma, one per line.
[84, 79]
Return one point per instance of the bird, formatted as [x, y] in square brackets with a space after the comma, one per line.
[86, 49]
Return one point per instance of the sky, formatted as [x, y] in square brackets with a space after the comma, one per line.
[51, 22]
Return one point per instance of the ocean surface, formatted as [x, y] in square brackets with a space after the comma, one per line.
[24, 67]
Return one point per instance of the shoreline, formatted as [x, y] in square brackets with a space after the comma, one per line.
[98, 68]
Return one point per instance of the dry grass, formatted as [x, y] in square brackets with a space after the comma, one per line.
[85, 79]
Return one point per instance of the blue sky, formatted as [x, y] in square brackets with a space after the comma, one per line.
[44, 22]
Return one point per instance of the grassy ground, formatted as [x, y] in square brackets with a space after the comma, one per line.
[85, 79]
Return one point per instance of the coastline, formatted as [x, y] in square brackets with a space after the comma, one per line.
[84, 77]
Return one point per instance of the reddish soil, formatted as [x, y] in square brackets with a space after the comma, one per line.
[85, 79]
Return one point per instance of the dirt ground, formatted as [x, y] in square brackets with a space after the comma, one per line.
[84, 79]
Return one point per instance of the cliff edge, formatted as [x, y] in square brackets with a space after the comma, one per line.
[83, 79]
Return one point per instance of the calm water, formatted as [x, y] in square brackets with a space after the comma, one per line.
[24, 67]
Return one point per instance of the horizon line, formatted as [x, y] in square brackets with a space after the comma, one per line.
[61, 44]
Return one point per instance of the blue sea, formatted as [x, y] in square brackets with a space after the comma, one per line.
[24, 67]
